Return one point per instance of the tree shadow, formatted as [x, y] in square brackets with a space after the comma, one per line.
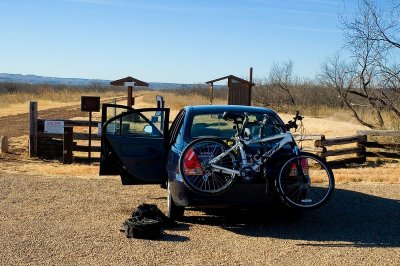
[355, 218]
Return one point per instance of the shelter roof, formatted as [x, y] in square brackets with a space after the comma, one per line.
[231, 77]
[121, 82]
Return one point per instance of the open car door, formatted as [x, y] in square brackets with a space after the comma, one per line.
[133, 143]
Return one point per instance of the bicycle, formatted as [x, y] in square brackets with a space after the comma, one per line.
[210, 166]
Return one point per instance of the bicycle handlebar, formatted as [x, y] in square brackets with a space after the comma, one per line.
[293, 123]
[236, 117]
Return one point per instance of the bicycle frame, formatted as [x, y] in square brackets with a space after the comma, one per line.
[241, 143]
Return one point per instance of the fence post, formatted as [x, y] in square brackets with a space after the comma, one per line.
[361, 144]
[67, 145]
[318, 144]
[3, 144]
[33, 129]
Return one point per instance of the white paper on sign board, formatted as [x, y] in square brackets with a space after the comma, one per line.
[126, 84]
[54, 127]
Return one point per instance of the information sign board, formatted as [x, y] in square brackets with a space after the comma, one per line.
[54, 127]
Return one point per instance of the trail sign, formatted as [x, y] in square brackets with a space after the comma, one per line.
[54, 127]
[90, 103]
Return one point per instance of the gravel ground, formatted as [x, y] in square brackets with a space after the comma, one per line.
[49, 220]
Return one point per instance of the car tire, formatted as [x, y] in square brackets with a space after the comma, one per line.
[174, 212]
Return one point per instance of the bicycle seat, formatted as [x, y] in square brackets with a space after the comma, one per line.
[231, 116]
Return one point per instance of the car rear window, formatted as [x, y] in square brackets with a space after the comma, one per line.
[215, 125]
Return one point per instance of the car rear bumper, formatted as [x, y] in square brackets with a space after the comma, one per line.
[240, 194]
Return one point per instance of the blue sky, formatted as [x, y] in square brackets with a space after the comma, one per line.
[167, 40]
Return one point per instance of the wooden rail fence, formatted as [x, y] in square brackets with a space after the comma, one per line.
[382, 144]
[62, 145]
[363, 147]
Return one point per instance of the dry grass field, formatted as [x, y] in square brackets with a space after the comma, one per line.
[55, 214]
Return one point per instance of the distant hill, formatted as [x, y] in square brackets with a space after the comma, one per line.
[33, 79]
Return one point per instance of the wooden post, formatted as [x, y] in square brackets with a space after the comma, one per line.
[67, 145]
[3, 144]
[90, 137]
[211, 93]
[130, 96]
[229, 99]
[361, 144]
[115, 110]
[33, 130]
[250, 86]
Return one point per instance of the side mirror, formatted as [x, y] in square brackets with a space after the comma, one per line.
[148, 129]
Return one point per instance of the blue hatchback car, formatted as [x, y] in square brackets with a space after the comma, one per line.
[143, 147]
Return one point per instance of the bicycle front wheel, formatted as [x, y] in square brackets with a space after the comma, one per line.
[305, 181]
[197, 172]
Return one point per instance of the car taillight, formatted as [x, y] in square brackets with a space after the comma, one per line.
[293, 167]
[192, 166]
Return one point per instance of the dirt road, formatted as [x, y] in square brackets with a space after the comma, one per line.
[17, 125]
[48, 220]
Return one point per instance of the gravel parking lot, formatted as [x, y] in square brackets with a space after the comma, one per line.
[49, 220]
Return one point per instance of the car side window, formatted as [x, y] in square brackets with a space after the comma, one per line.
[135, 124]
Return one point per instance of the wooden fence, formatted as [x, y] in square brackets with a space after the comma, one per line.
[61, 145]
[381, 144]
[363, 145]
[64, 145]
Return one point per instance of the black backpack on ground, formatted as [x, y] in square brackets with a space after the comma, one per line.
[146, 222]
[144, 228]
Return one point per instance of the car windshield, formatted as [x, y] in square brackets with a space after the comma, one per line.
[212, 124]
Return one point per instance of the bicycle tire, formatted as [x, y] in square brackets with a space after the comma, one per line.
[199, 177]
[309, 191]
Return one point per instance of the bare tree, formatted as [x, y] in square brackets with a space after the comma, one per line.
[385, 24]
[281, 75]
[372, 41]
[339, 75]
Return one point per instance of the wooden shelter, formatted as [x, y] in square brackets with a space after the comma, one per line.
[130, 83]
[239, 90]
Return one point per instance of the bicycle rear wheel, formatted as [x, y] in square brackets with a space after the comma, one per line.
[305, 181]
[196, 171]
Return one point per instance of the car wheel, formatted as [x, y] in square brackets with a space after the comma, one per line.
[174, 212]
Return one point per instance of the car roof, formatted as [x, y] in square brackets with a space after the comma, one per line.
[229, 108]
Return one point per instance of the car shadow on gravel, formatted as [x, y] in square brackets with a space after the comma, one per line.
[351, 218]
[168, 237]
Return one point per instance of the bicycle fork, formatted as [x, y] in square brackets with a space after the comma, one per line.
[305, 179]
